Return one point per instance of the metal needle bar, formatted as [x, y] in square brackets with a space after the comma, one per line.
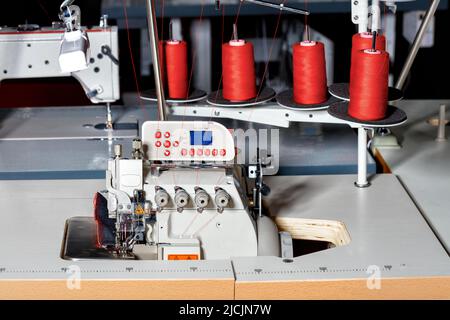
[109, 121]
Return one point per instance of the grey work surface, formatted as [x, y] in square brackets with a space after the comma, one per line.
[62, 143]
[423, 164]
[52, 143]
[386, 230]
[33, 215]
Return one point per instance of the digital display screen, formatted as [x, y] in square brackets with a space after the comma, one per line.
[201, 138]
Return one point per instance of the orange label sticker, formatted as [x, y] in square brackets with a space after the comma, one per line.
[183, 257]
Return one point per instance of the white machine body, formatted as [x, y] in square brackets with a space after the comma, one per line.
[194, 204]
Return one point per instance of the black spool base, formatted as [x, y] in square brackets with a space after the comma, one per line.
[286, 100]
[394, 116]
[342, 91]
[216, 99]
[194, 96]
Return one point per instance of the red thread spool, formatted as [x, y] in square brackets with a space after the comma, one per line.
[238, 67]
[177, 70]
[310, 75]
[369, 85]
[363, 40]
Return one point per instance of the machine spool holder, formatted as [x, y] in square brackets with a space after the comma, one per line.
[267, 114]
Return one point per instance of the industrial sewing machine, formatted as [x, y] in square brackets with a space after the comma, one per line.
[62, 50]
[179, 197]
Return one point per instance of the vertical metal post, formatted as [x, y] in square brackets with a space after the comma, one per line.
[154, 46]
[362, 159]
[441, 126]
[416, 44]
[375, 15]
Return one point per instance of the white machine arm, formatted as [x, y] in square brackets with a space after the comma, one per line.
[63, 50]
[36, 53]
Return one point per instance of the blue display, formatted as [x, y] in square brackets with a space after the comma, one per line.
[201, 138]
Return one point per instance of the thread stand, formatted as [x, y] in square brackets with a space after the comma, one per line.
[341, 91]
[394, 117]
[362, 181]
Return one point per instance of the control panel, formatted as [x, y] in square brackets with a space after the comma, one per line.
[187, 141]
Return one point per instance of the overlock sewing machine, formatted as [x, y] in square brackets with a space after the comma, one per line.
[178, 197]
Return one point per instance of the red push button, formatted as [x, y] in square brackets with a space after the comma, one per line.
[167, 144]
[167, 153]
[207, 152]
[167, 135]
[200, 152]
[158, 144]
[176, 144]
[184, 152]
[192, 152]
[223, 152]
[158, 135]
[215, 152]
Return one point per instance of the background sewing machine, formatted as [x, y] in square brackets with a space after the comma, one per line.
[90, 55]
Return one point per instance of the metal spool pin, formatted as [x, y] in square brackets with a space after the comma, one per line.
[154, 45]
[362, 181]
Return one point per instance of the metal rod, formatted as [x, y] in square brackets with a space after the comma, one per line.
[374, 41]
[154, 46]
[280, 6]
[307, 34]
[362, 159]
[441, 127]
[235, 32]
[375, 11]
[416, 44]
[171, 31]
